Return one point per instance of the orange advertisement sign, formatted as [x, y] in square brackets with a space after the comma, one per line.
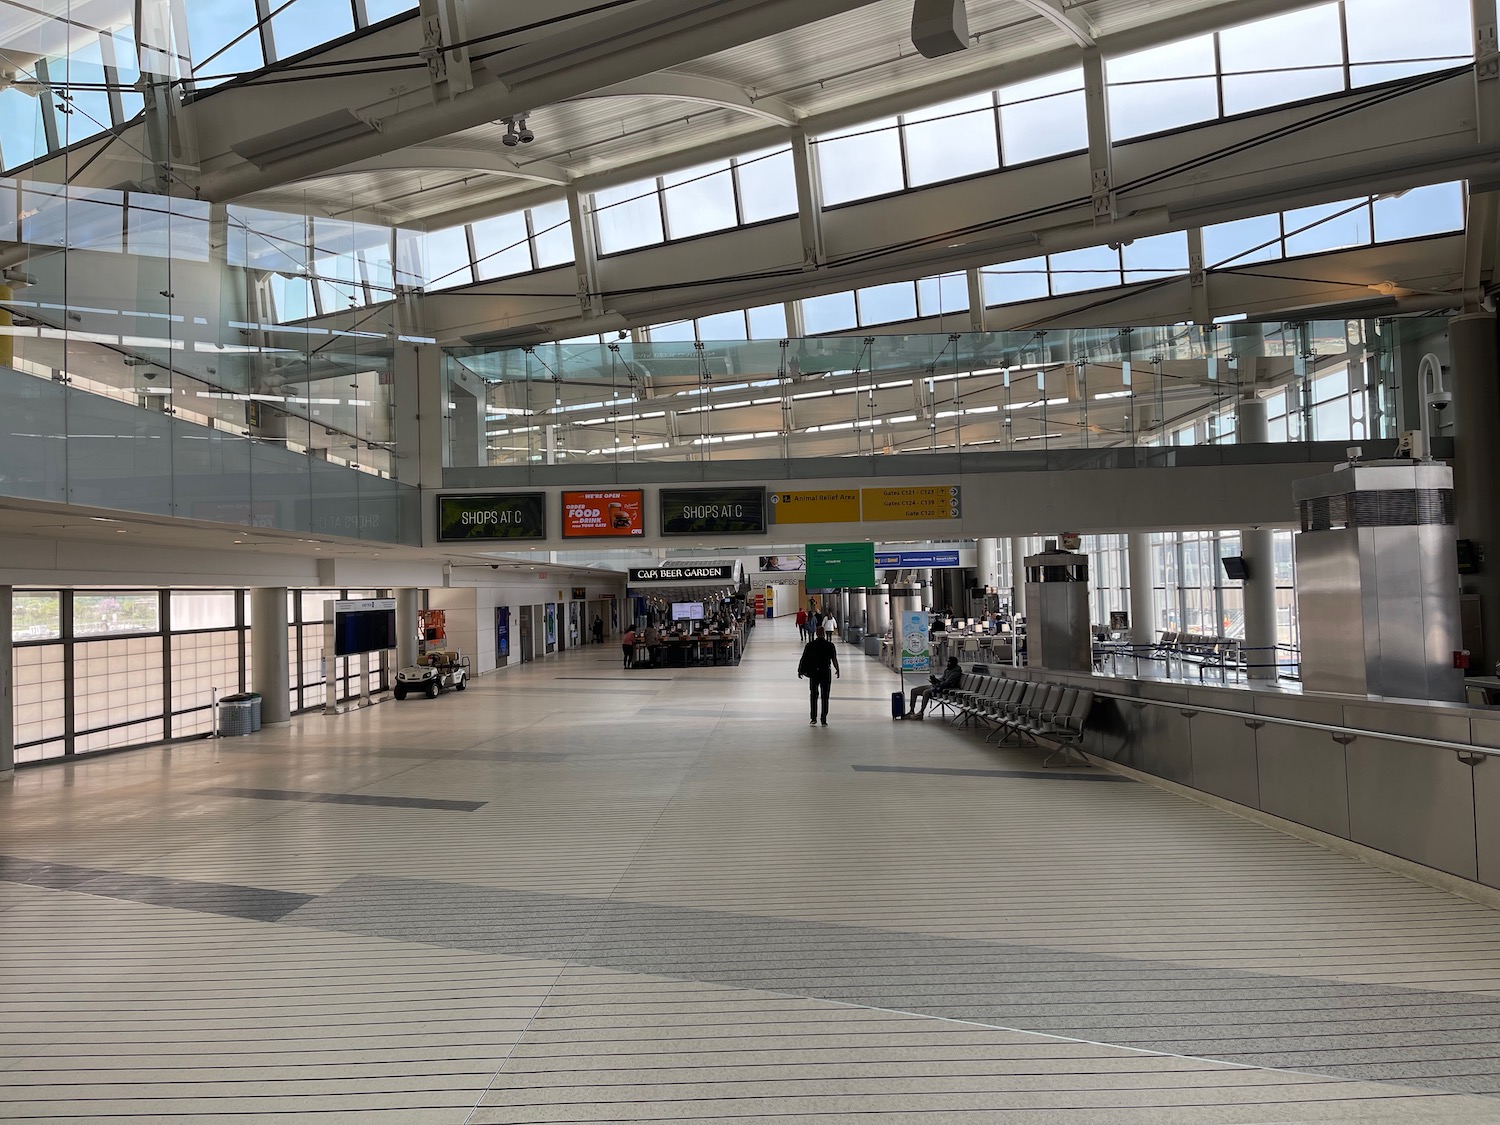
[608, 515]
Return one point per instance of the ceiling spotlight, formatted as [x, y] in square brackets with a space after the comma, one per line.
[516, 132]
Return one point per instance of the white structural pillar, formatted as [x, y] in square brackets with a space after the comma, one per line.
[1142, 590]
[1250, 425]
[1476, 463]
[7, 688]
[270, 666]
[1018, 577]
[989, 562]
[406, 627]
[1258, 547]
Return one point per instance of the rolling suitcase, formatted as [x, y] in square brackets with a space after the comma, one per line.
[898, 705]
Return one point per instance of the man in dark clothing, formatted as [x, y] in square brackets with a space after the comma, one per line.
[951, 677]
[820, 663]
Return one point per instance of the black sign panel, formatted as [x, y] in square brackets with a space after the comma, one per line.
[713, 511]
[486, 516]
[694, 572]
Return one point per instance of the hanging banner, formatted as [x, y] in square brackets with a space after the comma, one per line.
[831, 566]
[922, 502]
[831, 506]
[508, 515]
[916, 650]
[712, 511]
[602, 514]
[905, 560]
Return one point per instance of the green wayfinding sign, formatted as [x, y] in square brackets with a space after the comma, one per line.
[482, 516]
[831, 565]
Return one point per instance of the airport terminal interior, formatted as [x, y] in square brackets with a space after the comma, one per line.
[794, 560]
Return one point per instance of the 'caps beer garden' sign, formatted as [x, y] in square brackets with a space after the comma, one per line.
[713, 511]
[509, 515]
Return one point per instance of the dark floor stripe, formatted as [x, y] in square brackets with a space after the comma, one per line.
[344, 799]
[1048, 775]
[255, 903]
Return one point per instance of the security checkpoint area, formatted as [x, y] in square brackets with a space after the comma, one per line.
[447, 449]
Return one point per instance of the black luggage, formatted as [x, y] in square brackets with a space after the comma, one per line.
[898, 705]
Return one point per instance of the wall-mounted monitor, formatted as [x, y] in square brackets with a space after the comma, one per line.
[712, 511]
[603, 515]
[687, 611]
[1236, 568]
[492, 515]
[367, 626]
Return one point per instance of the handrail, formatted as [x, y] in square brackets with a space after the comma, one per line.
[1333, 732]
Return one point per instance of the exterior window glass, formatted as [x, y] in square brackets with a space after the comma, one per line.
[723, 326]
[90, 107]
[768, 322]
[1043, 117]
[1282, 59]
[117, 693]
[501, 246]
[1093, 268]
[1162, 88]
[946, 294]
[885, 304]
[21, 138]
[40, 722]
[674, 332]
[629, 216]
[952, 140]
[77, 218]
[1015, 281]
[103, 614]
[212, 24]
[768, 186]
[860, 163]
[1147, 259]
[377, 10]
[699, 200]
[830, 313]
[35, 616]
[192, 610]
[122, 55]
[266, 240]
[553, 233]
[445, 259]
[292, 297]
[1394, 38]
[304, 24]
[1328, 226]
[1243, 241]
[1421, 211]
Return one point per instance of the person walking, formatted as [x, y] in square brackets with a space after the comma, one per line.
[819, 663]
[598, 629]
[802, 625]
[951, 677]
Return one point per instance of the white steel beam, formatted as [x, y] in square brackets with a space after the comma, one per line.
[809, 200]
[421, 158]
[703, 91]
[1101, 148]
[1052, 11]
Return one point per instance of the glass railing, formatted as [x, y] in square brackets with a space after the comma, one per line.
[590, 402]
[66, 445]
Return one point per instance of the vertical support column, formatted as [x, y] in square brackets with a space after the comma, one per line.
[7, 687]
[1476, 464]
[585, 255]
[1250, 425]
[1018, 577]
[989, 561]
[978, 319]
[1101, 153]
[1142, 589]
[419, 404]
[809, 200]
[467, 434]
[406, 627]
[270, 666]
[1258, 547]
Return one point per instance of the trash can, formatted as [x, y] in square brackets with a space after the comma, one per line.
[254, 698]
[872, 646]
[236, 716]
[854, 635]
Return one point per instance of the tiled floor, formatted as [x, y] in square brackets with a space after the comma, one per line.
[576, 893]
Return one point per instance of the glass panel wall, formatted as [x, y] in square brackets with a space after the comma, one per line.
[679, 397]
[101, 670]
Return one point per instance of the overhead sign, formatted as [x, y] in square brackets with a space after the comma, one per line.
[777, 564]
[906, 559]
[506, 515]
[606, 515]
[712, 511]
[829, 506]
[921, 502]
[699, 572]
[832, 565]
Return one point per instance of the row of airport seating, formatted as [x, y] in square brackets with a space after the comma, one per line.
[1031, 710]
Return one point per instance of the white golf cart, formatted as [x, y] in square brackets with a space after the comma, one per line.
[434, 671]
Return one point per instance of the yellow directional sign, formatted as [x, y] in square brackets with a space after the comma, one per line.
[922, 502]
[827, 506]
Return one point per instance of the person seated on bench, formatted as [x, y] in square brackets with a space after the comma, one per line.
[949, 678]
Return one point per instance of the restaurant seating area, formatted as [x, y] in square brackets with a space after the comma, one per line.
[682, 650]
